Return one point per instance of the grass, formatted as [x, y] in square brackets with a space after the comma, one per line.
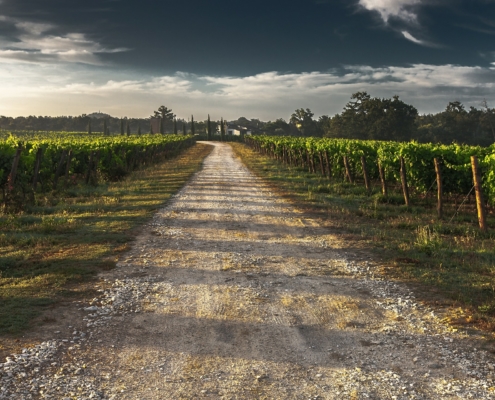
[450, 263]
[52, 251]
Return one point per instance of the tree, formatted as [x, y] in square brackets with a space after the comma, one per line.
[175, 126]
[184, 128]
[222, 130]
[390, 119]
[372, 118]
[122, 127]
[354, 116]
[139, 129]
[192, 125]
[324, 125]
[164, 113]
[302, 119]
[488, 117]
[89, 127]
[105, 129]
[209, 128]
[280, 128]
[128, 128]
[162, 126]
[151, 128]
[167, 117]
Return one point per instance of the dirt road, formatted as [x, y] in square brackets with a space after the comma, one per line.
[232, 293]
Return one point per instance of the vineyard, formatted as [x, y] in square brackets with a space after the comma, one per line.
[381, 161]
[43, 163]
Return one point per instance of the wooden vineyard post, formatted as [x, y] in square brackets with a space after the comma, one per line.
[381, 171]
[479, 193]
[96, 162]
[15, 165]
[58, 172]
[403, 179]
[365, 174]
[312, 164]
[67, 166]
[348, 169]
[37, 165]
[322, 166]
[302, 158]
[438, 172]
[329, 168]
[90, 166]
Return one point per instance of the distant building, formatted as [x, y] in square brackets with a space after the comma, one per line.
[236, 130]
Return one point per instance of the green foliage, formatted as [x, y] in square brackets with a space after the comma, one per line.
[455, 159]
[302, 119]
[117, 155]
[366, 117]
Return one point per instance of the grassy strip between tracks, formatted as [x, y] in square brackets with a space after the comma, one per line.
[451, 265]
[53, 250]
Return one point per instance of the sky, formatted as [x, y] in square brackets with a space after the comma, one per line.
[232, 58]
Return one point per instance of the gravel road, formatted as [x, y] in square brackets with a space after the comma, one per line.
[232, 293]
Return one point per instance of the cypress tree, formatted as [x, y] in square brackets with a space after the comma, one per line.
[209, 128]
[122, 127]
[222, 130]
[184, 128]
[175, 126]
[89, 127]
[192, 125]
[128, 129]
[105, 129]
[162, 128]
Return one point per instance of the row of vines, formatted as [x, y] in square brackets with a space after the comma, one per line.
[40, 164]
[344, 158]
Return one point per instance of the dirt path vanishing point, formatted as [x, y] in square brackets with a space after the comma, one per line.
[231, 293]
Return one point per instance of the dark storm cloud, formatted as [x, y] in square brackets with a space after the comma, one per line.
[269, 55]
[238, 37]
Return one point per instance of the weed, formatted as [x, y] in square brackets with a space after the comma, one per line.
[427, 240]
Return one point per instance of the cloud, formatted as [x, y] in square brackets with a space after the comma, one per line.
[413, 39]
[39, 43]
[410, 37]
[56, 91]
[401, 9]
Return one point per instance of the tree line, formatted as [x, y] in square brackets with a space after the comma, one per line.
[363, 117]
[373, 118]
